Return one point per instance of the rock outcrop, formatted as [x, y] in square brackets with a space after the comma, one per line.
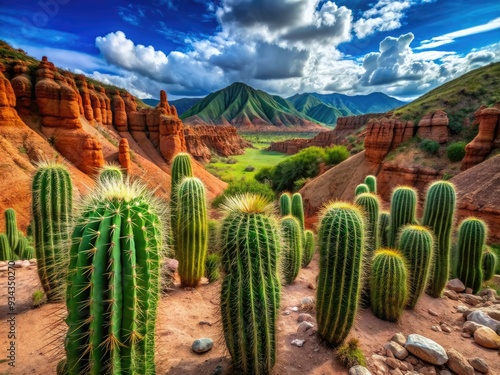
[487, 139]
[434, 126]
[22, 86]
[384, 135]
[83, 89]
[8, 114]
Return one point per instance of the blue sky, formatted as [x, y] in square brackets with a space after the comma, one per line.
[403, 48]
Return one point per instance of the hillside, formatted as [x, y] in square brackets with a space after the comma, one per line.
[248, 109]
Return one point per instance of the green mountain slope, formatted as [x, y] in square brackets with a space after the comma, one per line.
[182, 105]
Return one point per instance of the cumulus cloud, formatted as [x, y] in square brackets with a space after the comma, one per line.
[386, 15]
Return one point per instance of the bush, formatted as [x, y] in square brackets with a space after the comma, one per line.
[350, 354]
[264, 175]
[430, 146]
[336, 155]
[456, 151]
[250, 168]
[244, 186]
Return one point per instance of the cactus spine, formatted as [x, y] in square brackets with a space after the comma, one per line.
[181, 167]
[371, 182]
[291, 233]
[439, 212]
[5, 251]
[370, 205]
[298, 209]
[250, 293]
[52, 209]
[110, 172]
[212, 264]
[388, 285]
[113, 282]
[489, 264]
[341, 243]
[192, 231]
[383, 228]
[472, 234]
[403, 211]
[285, 204]
[11, 228]
[360, 189]
[309, 248]
[416, 244]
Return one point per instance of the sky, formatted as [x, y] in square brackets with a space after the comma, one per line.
[190, 48]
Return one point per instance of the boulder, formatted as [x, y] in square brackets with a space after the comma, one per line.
[480, 317]
[426, 349]
[458, 363]
[487, 338]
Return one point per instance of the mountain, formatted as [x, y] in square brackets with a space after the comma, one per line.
[182, 105]
[249, 109]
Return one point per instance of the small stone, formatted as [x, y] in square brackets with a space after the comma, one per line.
[18, 264]
[446, 328]
[304, 326]
[462, 308]
[456, 285]
[487, 338]
[392, 362]
[426, 349]
[472, 300]
[298, 342]
[470, 327]
[466, 335]
[305, 318]
[307, 301]
[399, 338]
[202, 345]
[429, 370]
[389, 354]
[432, 312]
[436, 328]
[294, 309]
[26, 263]
[396, 349]
[458, 363]
[451, 295]
[468, 290]
[359, 370]
[413, 360]
[479, 364]
[311, 286]
[286, 312]
[482, 318]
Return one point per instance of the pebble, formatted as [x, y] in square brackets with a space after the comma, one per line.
[304, 326]
[202, 345]
[436, 328]
[26, 263]
[458, 363]
[487, 338]
[456, 285]
[294, 309]
[305, 318]
[298, 342]
[466, 335]
[479, 364]
[307, 301]
[468, 290]
[451, 295]
[359, 370]
[392, 362]
[396, 349]
[472, 300]
[413, 360]
[429, 370]
[482, 318]
[399, 338]
[286, 312]
[470, 327]
[446, 328]
[432, 312]
[462, 308]
[426, 349]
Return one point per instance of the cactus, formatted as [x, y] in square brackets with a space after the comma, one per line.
[489, 264]
[52, 210]
[181, 167]
[291, 234]
[384, 219]
[472, 234]
[110, 172]
[370, 205]
[285, 204]
[416, 244]
[250, 293]
[403, 211]
[439, 212]
[371, 182]
[212, 264]
[298, 209]
[341, 244]
[309, 248]
[192, 231]
[113, 282]
[360, 189]
[5, 250]
[388, 285]
[22, 245]
[11, 228]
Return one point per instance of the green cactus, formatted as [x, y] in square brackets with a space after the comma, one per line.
[371, 182]
[20, 250]
[341, 245]
[192, 231]
[113, 282]
[309, 248]
[110, 172]
[298, 209]
[285, 204]
[11, 228]
[384, 220]
[52, 210]
[439, 213]
[370, 204]
[212, 264]
[388, 285]
[416, 244]
[403, 211]
[489, 264]
[291, 234]
[360, 189]
[472, 234]
[181, 167]
[5, 250]
[250, 295]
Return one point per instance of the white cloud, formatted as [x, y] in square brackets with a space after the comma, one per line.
[386, 15]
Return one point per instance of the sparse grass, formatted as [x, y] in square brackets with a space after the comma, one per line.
[107, 135]
[350, 354]
[22, 150]
[38, 298]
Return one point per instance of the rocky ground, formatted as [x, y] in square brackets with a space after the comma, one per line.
[451, 335]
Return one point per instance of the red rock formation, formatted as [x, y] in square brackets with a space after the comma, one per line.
[96, 104]
[22, 86]
[384, 135]
[129, 100]
[163, 104]
[83, 89]
[119, 113]
[92, 157]
[8, 114]
[487, 138]
[107, 114]
[172, 139]
[434, 126]
[124, 155]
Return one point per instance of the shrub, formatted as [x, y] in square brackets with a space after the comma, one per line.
[244, 186]
[350, 354]
[264, 175]
[430, 146]
[250, 168]
[336, 154]
[456, 151]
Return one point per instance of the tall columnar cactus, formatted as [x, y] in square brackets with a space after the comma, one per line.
[5, 251]
[285, 204]
[416, 244]
[291, 234]
[403, 211]
[360, 189]
[472, 234]
[11, 228]
[113, 282]
[250, 295]
[309, 248]
[341, 244]
[110, 172]
[383, 228]
[388, 285]
[489, 264]
[439, 213]
[181, 167]
[52, 210]
[370, 204]
[298, 209]
[192, 231]
[371, 182]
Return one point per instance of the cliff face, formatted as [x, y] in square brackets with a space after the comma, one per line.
[384, 135]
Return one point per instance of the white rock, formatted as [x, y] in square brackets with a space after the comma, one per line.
[298, 342]
[359, 370]
[426, 349]
[482, 318]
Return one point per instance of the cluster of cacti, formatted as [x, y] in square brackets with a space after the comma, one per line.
[212, 264]
[416, 244]
[309, 248]
[384, 220]
[388, 284]
[439, 212]
[291, 234]
[19, 247]
[489, 263]
[113, 283]
[110, 172]
[11, 228]
[5, 251]
[285, 204]
[361, 188]
[191, 231]
[403, 211]
[181, 168]
[370, 204]
[371, 182]
[250, 293]
[341, 245]
[52, 210]
[471, 242]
